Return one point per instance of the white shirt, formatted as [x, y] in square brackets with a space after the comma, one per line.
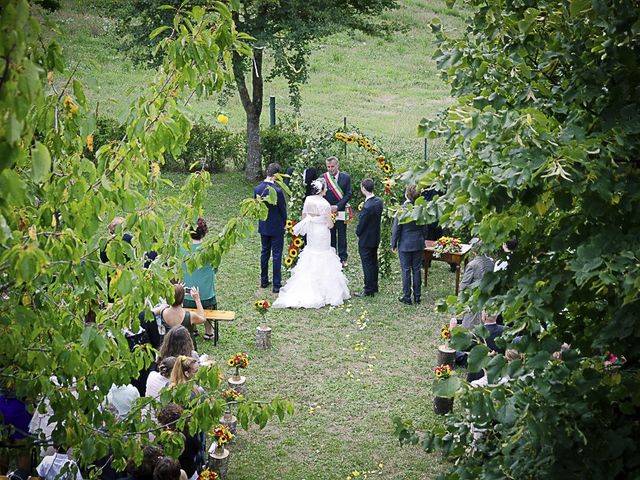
[52, 465]
[155, 383]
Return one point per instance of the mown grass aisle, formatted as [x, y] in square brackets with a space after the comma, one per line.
[349, 370]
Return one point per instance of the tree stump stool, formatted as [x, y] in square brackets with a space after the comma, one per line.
[442, 405]
[230, 421]
[219, 461]
[238, 384]
[263, 337]
[446, 356]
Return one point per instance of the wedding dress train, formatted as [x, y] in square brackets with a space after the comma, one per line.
[317, 279]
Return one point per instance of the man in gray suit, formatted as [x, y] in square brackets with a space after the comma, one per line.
[473, 273]
[409, 240]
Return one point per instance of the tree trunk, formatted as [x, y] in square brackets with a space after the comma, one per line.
[252, 104]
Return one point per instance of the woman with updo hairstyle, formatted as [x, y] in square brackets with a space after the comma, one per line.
[177, 342]
[203, 278]
[160, 379]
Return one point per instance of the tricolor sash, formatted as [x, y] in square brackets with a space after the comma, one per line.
[337, 191]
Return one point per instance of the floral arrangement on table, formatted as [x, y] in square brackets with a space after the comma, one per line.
[231, 395]
[262, 307]
[447, 245]
[238, 361]
[221, 434]
[208, 475]
[443, 372]
[445, 333]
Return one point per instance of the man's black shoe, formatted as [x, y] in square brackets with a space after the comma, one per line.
[276, 290]
[405, 300]
[265, 285]
[363, 294]
[417, 301]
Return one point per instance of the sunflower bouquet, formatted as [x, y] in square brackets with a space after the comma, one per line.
[262, 307]
[238, 361]
[443, 372]
[447, 245]
[445, 333]
[208, 475]
[231, 395]
[221, 434]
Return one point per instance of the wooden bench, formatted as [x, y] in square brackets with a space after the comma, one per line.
[216, 316]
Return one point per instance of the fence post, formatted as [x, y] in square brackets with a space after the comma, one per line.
[272, 111]
[345, 131]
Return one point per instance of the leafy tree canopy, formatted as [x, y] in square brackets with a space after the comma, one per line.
[543, 144]
[54, 206]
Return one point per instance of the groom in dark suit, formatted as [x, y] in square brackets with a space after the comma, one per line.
[272, 230]
[368, 232]
[338, 195]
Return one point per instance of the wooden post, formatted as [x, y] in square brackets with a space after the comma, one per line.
[230, 421]
[442, 405]
[238, 384]
[446, 356]
[219, 461]
[263, 337]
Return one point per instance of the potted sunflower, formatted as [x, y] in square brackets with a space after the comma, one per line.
[263, 332]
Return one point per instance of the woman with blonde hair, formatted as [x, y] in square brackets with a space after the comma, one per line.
[184, 371]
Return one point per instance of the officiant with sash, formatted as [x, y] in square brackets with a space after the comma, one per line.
[338, 196]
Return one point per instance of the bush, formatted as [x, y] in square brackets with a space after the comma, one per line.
[213, 148]
[281, 144]
[107, 130]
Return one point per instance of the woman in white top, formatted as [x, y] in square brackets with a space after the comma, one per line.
[160, 379]
[317, 279]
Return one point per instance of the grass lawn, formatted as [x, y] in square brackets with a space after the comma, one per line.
[348, 370]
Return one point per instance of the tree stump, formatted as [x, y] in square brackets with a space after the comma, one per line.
[263, 337]
[446, 356]
[219, 461]
[442, 405]
[238, 384]
[230, 421]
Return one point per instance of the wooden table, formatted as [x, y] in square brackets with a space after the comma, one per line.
[450, 258]
[216, 316]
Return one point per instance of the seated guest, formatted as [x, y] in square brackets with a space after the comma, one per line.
[508, 247]
[184, 370]
[150, 457]
[174, 315]
[203, 279]
[168, 469]
[51, 466]
[160, 379]
[473, 273]
[121, 398]
[495, 331]
[177, 342]
[168, 417]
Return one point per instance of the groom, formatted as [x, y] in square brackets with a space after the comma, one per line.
[272, 230]
[338, 196]
[368, 232]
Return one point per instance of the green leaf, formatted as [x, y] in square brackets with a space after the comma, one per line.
[41, 162]
[578, 7]
[447, 388]
[159, 30]
[478, 358]
[78, 92]
[13, 129]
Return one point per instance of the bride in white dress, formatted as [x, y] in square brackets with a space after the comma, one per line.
[317, 279]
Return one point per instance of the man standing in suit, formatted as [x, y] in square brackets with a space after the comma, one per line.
[272, 230]
[338, 196]
[368, 232]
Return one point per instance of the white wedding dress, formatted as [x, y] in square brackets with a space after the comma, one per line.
[317, 279]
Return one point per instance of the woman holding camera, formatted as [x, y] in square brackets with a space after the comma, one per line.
[174, 315]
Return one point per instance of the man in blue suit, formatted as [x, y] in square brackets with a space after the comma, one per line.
[368, 232]
[338, 195]
[272, 230]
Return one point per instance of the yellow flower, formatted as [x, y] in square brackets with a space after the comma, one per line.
[386, 168]
[90, 142]
[293, 252]
[230, 362]
[351, 138]
[288, 261]
[223, 119]
[289, 223]
[297, 242]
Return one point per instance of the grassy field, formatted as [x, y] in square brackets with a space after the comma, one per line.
[348, 370]
[384, 85]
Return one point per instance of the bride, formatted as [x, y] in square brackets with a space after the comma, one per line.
[317, 279]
